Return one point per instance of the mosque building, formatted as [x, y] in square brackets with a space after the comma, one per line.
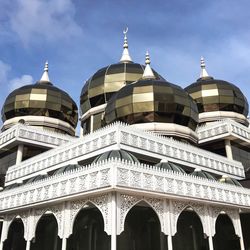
[156, 166]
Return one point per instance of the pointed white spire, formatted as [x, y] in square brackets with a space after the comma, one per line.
[125, 54]
[45, 76]
[148, 72]
[203, 73]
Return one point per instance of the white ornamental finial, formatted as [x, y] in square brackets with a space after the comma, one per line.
[203, 73]
[125, 45]
[45, 76]
[148, 72]
[125, 54]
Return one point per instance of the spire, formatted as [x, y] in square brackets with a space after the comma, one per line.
[125, 54]
[148, 73]
[45, 76]
[203, 73]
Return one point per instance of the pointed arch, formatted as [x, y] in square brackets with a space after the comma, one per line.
[77, 207]
[46, 232]
[15, 235]
[232, 214]
[190, 231]
[42, 212]
[142, 228]
[225, 236]
[198, 209]
[88, 229]
[8, 221]
[127, 202]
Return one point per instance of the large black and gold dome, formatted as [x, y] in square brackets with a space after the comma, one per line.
[107, 81]
[152, 100]
[222, 98]
[40, 99]
[100, 87]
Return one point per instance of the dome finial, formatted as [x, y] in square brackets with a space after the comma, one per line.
[45, 76]
[148, 72]
[203, 73]
[125, 54]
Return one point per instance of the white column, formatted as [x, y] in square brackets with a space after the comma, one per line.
[91, 123]
[19, 155]
[113, 230]
[28, 245]
[242, 247]
[169, 221]
[210, 242]
[170, 243]
[228, 149]
[65, 224]
[81, 132]
[64, 243]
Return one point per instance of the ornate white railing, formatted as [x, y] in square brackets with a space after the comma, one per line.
[134, 140]
[116, 174]
[36, 136]
[223, 128]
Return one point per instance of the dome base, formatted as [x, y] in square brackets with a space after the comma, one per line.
[169, 129]
[42, 122]
[219, 115]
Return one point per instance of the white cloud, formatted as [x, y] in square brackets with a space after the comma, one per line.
[4, 70]
[19, 82]
[44, 20]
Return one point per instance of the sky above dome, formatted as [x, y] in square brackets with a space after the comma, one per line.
[78, 37]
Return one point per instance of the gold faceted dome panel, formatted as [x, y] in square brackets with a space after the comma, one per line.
[152, 100]
[107, 81]
[217, 95]
[40, 99]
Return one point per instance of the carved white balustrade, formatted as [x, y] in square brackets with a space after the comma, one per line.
[121, 175]
[35, 136]
[121, 136]
[222, 129]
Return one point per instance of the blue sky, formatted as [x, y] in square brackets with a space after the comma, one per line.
[78, 37]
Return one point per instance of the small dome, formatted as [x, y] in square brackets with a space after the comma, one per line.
[36, 178]
[66, 169]
[170, 166]
[228, 180]
[117, 154]
[203, 174]
[40, 99]
[212, 95]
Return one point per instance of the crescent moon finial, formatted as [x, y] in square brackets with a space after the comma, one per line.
[125, 31]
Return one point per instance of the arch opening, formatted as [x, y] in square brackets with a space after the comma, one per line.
[46, 236]
[88, 231]
[225, 237]
[142, 230]
[190, 234]
[15, 239]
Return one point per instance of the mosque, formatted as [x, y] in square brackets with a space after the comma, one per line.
[156, 166]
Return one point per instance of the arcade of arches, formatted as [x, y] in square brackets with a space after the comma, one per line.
[142, 231]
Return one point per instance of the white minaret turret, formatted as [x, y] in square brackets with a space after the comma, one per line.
[148, 72]
[203, 73]
[45, 76]
[125, 54]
